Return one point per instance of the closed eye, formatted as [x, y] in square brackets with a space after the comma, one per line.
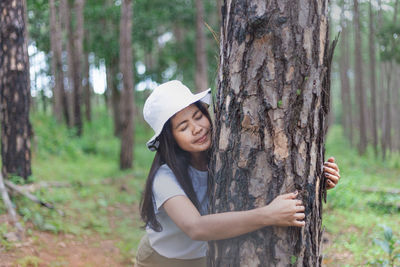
[183, 128]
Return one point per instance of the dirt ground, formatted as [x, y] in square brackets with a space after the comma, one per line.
[45, 249]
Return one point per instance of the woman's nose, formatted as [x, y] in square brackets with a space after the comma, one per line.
[196, 129]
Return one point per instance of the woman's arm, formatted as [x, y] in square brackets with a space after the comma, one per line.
[284, 210]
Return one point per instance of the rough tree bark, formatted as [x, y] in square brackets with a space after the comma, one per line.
[359, 87]
[271, 108]
[372, 68]
[14, 90]
[56, 62]
[125, 61]
[201, 76]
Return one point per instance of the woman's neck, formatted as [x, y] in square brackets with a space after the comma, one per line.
[199, 161]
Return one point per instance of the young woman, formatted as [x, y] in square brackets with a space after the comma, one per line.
[174, 203]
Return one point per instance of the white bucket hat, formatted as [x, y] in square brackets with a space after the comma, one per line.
[165, 101]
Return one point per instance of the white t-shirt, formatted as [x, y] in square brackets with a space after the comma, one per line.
[172, 242]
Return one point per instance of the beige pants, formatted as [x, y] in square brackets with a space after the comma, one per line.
[147, 257]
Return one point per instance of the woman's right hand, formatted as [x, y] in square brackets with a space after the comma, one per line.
[286, 210]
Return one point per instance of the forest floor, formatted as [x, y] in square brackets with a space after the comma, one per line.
[49, 249]
[97, 244]
[102, 226]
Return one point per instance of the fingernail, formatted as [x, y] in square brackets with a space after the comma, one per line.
[296, 192]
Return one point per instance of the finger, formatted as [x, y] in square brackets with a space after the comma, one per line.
[299, 202]
[331, 171]
[299, 216]
[299, 223]
[330, 184]
[290, 195]
[300, 208]
[332, 165]
[332, 178]
[331, 159]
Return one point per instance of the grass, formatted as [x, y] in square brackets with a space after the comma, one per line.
[352, 217]
[104, 200]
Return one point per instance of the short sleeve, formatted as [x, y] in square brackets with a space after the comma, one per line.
[165, 186]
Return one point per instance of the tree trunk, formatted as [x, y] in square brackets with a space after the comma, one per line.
[395, 105]
[62, 10]
[77, 63]
[347, 116]
[87, 90]
[201, 76]
[70, 60]
[372, 63]
[386, 135]
[126, 62]
[359, 87]
[112, 88]
[14, 91]
[387, 132]
[272, 102]
[56, 62]
[395, 88]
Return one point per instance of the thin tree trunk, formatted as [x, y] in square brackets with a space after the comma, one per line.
[126, 63]
[271, 109]
[387, 139]
[347, 116]
[201, 76]
[77, 63]
[372, 63]
[56, 62]
[62, 10]
[87, 88]
[115, 101]
[70, 61]
[395, 106]
[395, 88]
[359, 87]
[14, 92]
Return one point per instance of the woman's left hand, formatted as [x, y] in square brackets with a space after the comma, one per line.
[331, 172]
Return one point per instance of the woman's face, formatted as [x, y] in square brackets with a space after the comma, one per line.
[191, 129]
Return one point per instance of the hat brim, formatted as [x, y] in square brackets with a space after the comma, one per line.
[204, 96]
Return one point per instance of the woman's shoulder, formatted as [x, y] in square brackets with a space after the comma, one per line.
[165, 184]
[164, 174]
[164, 170]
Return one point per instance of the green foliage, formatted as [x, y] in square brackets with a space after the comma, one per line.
[351, 214]
[293, 259]
[4, 244]
[30, 261]
[391, 246]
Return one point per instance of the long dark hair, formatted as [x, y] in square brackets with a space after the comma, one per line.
[168, 152]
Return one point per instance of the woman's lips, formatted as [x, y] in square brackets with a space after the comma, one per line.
[202, 139]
